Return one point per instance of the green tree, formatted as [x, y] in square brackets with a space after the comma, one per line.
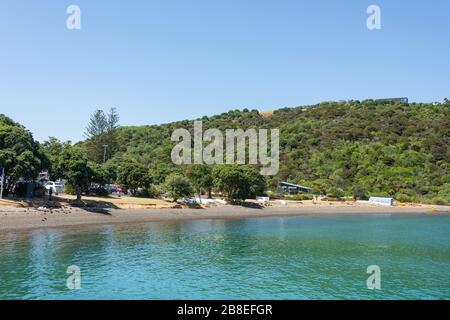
[111, 167]
[160, 170]
[99, 173]
[177, 186]
[98, 124]
[201, 178]
[101, 135]
[238, 182]
[132, 175]
[73, 165]
[360, 192]
[52, 148]
[335, 192]
[320, 186]
[20, 154]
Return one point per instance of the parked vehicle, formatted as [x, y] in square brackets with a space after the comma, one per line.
[59, 186]
[111, 188]
[51, 185]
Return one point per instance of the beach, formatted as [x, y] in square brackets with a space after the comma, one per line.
[33, 218]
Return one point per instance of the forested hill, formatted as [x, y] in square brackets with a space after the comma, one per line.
[360, 148]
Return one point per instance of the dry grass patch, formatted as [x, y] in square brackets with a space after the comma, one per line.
[266, 114]
[6, 203]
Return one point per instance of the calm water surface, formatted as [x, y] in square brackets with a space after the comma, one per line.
[265, 258]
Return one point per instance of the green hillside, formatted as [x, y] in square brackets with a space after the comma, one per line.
[352, 148]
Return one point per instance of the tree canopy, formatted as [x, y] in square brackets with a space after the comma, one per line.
[363, 148]
[177, 186]
[201, 178]
[349, 148]
[20, 154]
[238, 182]
[132, 175]
[72, 165]
[101, 142]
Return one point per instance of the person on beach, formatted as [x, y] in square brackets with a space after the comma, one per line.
[50, 192]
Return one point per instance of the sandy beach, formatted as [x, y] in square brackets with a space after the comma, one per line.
[31, 218]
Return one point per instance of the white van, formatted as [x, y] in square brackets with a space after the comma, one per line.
[56, 187]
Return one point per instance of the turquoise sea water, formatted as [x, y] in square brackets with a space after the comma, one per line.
[263, 258]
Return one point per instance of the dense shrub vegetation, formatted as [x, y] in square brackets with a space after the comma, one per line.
[350, 148]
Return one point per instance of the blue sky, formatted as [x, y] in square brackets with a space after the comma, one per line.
[160, 61]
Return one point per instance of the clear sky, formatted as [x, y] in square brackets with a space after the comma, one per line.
[160, 61]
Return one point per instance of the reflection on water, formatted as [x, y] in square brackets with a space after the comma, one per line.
[278, 258]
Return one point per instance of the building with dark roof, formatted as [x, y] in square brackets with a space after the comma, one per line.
[290, 188]
[393, 100]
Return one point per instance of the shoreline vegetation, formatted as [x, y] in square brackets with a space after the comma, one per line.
[336, 150]
[24, 215]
